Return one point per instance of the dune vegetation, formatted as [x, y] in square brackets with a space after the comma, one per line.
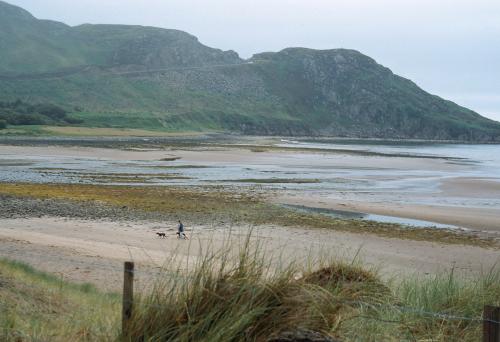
[254, 296]
[37, 306]
[248, 295]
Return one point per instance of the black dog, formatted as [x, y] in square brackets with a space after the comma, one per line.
[162, 235]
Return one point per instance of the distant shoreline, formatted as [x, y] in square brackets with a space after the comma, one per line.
[19, 133]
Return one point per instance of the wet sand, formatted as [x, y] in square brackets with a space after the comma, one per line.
[438, 210]
[478, 219]
[237, 155]
[471, 187]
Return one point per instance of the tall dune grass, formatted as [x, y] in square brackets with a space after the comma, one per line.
[37, 306]
[259, 297]
[240, 292]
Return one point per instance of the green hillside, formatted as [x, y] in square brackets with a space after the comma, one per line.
[145, 77]
[30, 45]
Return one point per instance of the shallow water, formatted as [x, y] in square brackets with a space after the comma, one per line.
[485, 156]
[479, 161]
[351, 215]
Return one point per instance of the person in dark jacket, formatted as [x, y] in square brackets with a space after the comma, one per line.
[180, 231]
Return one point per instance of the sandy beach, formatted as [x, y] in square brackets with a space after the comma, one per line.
[93, 251]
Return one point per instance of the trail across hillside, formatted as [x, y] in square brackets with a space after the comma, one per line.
[108, 70]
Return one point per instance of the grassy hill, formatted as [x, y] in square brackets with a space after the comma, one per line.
[30, 45]
[151, 78]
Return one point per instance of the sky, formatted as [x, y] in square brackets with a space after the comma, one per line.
[450, 48]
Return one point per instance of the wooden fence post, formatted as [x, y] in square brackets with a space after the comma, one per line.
[491, 330]
[128, 298]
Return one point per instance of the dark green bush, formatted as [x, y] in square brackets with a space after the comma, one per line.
[22, 113]
[73, 121]
[50, 110]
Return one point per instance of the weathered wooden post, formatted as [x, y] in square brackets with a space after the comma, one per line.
[491, 325]
[128, 298]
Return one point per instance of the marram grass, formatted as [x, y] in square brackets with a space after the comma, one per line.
[254, 296]
[245, 294]
[37, 306]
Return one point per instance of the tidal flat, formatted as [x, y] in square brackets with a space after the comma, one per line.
[206, 204]
[105, 199]
[418, 181]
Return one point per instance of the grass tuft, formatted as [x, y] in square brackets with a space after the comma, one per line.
[236, 298]
[37, 306]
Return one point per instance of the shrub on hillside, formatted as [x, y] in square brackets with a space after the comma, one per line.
[22, 113]
[73, 121]
[50, 110]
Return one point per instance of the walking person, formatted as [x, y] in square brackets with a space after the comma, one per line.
[180, 231]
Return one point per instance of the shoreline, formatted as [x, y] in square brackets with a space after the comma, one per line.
[77, 132]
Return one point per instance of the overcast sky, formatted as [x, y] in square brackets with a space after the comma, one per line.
[449, 47]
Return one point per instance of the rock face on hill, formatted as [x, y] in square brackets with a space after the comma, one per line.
[146, 77]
